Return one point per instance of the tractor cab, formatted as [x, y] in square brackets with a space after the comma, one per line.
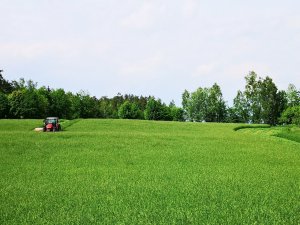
[51, 124]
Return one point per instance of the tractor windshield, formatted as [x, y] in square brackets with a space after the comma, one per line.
[50, 121]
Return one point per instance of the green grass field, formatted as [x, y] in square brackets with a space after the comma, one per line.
[144, 172]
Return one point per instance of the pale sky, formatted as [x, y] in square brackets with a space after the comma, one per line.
[149, 47]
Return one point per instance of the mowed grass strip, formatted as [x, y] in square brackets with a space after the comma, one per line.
[146, 172]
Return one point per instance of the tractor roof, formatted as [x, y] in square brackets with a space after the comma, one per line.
[52, 118]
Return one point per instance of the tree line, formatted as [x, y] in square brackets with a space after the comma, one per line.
[259, 102]
[24, 99]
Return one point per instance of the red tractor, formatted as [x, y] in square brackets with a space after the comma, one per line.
[51, 124]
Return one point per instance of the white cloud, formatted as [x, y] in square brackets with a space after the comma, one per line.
[238, 71]
[204, 70]
[18, 50]
[294, 22]
[143, 66]
[59, 49]
[143, 17]
[189, 8]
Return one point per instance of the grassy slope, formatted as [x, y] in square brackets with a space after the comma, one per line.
[139, 172]
[289, 132]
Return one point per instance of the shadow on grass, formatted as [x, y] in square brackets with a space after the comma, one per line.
[246, 126]
[292, 134]
[68, 123]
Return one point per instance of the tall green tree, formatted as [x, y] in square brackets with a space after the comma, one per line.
[156, 110]
[268, 101]
[129, 110]
[204, 104]
[252, 94]
[75, 106]
[27, 103]
[105, 108]
[116, 102]
[199, 104]
[293, 96]
[153, 110]
[216, 105]
[88, 105]
[240, 110]
[291, 115]
[176, 113]
[60, 104]
[5, 86]
[4, 106]
[186, 105]
[262, 100]
[281, 102]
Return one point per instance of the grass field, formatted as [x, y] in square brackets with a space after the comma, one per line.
[144, 172]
